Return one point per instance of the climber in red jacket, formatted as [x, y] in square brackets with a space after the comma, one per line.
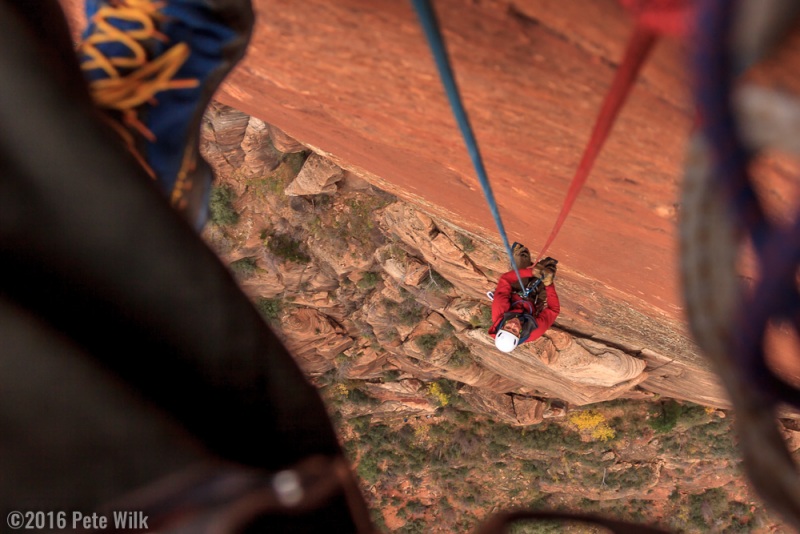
[517, 319]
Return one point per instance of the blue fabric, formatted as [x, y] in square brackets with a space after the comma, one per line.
[775, 295]
[174, 119]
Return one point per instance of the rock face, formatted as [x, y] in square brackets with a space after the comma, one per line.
[371, 285]
[314, 339]
[317, 176]
[512, 409]
[533, 73]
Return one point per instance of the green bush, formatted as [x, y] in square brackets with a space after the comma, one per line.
[633, 477]
[498, 449]
[712, 506]
[244, 268]
[352, 229]
[465, 243]
[427, 342]
[461, 356]
[358, 397]
[484, 320]
[666, 418]
[410, 312]
[414, 526]
[439, 282]
[392, 375]
[533, 468]
[284, 246]
[415, 507]
[369, 280]
[552, 436]
[541, 526]
[270, 308]
[286, 171]
[220, 206]
[368, 469]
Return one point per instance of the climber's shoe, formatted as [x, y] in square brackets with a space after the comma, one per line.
[152, 68]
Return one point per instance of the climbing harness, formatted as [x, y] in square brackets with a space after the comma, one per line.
[721, 210]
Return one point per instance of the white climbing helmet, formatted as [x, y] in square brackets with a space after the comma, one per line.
[505, 341]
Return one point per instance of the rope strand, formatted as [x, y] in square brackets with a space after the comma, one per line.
[430, 25]
[639, 46]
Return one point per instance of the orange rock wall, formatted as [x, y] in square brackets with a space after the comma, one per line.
[354, 79]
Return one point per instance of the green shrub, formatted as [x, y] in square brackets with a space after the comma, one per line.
[461, 356]
[410, 312]
[369, 280]
[483, 320]
[498, 449]
[358, 397]
[244, 268]
[707, 507]
[427, 342]
[368, 469]
[552, 436]
[361, 424]
[415, 507]
[694, 414]
[633, 477]
[286, 171]
[439, 282]
[666, 418]
[270, 308]
[540, 526]
[220, 206]
[533, 468]
[392, 375]
[378, 520]
[414, 526]
[465, 243]
[284, 246]
[394, 252]
[353, 228]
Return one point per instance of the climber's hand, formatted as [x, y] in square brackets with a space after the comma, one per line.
[542, 265]
[548, 275]
[548, 262]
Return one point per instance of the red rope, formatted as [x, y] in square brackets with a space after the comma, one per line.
[639, 46]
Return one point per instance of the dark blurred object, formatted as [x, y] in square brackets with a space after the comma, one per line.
[722, 215]
[129, 356]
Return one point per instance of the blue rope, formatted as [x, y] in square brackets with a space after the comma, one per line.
[430, 25]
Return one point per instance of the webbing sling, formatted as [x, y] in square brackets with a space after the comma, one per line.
[639, 46]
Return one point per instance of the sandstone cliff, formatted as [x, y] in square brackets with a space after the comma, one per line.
[387, 286]
[383, 306]
[365, 284]
[356, 84]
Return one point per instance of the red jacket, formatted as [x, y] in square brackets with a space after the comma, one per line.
[506, 300]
